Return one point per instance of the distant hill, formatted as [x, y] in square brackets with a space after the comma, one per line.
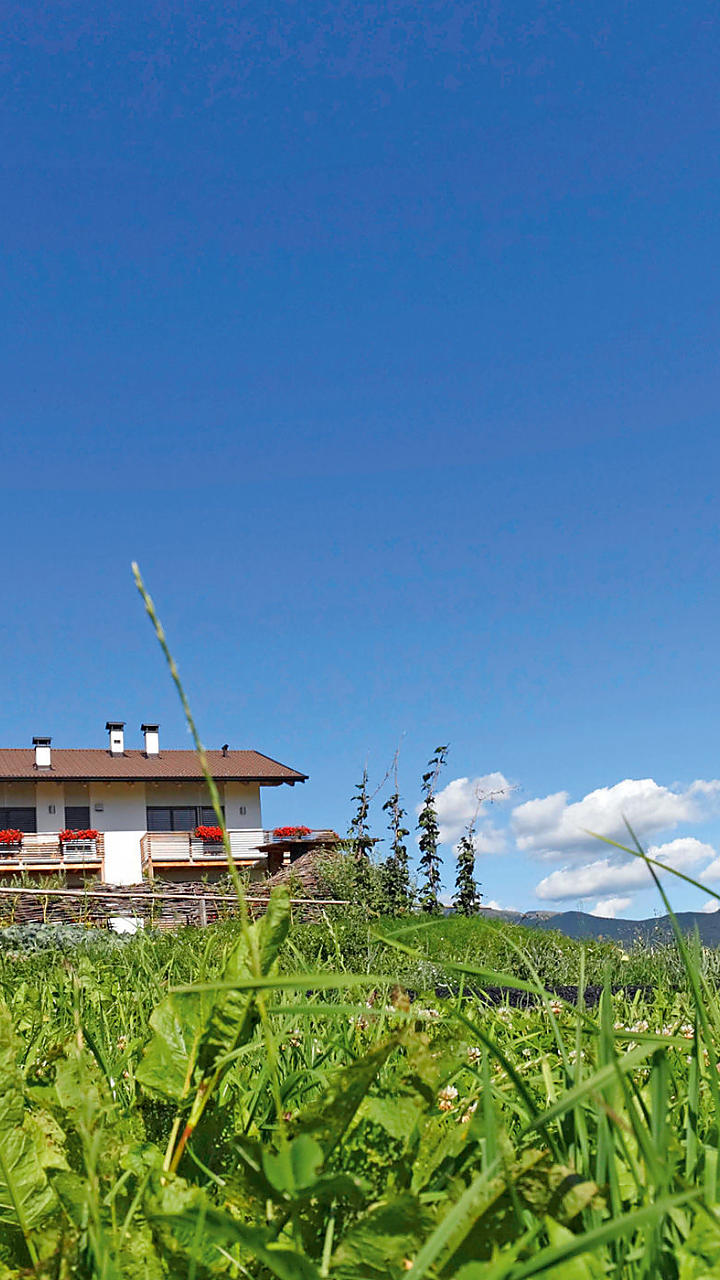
[578, 924]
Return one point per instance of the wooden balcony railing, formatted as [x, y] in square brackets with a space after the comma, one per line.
[46, 853]
[167, 849]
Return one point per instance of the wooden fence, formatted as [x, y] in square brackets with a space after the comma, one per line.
[170, 907]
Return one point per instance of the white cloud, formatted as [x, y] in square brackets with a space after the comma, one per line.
[458, 803]
[711, 906]
[552, 828]
[497, 906]
[616, 873]
[684, 853]
[608, 908]
[712, 872]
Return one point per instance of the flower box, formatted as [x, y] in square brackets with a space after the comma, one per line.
[10, 842]
[291, 833]
[209, 835]
[77, 837]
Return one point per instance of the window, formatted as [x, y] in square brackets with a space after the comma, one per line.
[77, 817]
[179, 817]
[208, 816]
[16, 819]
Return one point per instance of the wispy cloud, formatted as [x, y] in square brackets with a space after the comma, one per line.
[463, 798]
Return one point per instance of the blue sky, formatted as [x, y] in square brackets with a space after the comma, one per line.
[386, 340]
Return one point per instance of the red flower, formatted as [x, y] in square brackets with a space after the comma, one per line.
[291, 833]
[213, 835]
[10, 836]
[67, 834]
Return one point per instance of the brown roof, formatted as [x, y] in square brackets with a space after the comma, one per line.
[91, 765]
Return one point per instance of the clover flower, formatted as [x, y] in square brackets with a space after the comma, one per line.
[447, 1097]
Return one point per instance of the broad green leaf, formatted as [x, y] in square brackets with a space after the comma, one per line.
[482, 1193]
[234, 1011]
[396, 1115]
[78, 1091]
[582, 1267]
[72, 1192]
[383, 1240]
[273, 928]
[195, 1026]
[178, 1022]
[26, 1197]
[330, 1117]
[500, 1264]
[295, 1166]
[49, 1139]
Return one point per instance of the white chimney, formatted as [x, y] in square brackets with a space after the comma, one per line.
[152, 739]
[42, 752]
[117, 736]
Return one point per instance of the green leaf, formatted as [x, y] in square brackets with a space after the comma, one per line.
[396, 1115]
[381, 1242]
[77, 1090]
[582, 1267]
[194, 1027]
[72, 1192]
[26, 1197]
[697, 1256]
[500, 1264]
[234, 1011]
[201, 1233]
[332, 1115]
[178, 1022]
[295, 1166]
[480, 1196]
[573, 1246]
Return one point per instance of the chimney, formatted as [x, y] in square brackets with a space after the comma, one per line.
[117, 737]
[42, 752]
[152, 739]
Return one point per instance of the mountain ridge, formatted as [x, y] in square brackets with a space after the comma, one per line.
[580, 924]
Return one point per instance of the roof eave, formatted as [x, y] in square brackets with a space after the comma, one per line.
[52, 776]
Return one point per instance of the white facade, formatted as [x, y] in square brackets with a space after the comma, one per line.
[118, 810]
[145, 805]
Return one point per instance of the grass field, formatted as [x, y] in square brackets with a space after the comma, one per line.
[273, 1103]
[297, 1101]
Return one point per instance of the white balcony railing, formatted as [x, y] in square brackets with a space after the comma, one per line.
[184, 849]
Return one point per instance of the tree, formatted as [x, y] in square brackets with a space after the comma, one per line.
[359, 839]
[430, 861]
[396, 869]
[467, 891]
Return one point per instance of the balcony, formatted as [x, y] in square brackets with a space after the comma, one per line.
[167, 850]
[281, 849]
[45, 853]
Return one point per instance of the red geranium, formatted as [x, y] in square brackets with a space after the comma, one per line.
[10, 836]
[213, 835]
[291, 833]
[67, 834]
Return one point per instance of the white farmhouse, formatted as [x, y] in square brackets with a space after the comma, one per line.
[145, 806]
